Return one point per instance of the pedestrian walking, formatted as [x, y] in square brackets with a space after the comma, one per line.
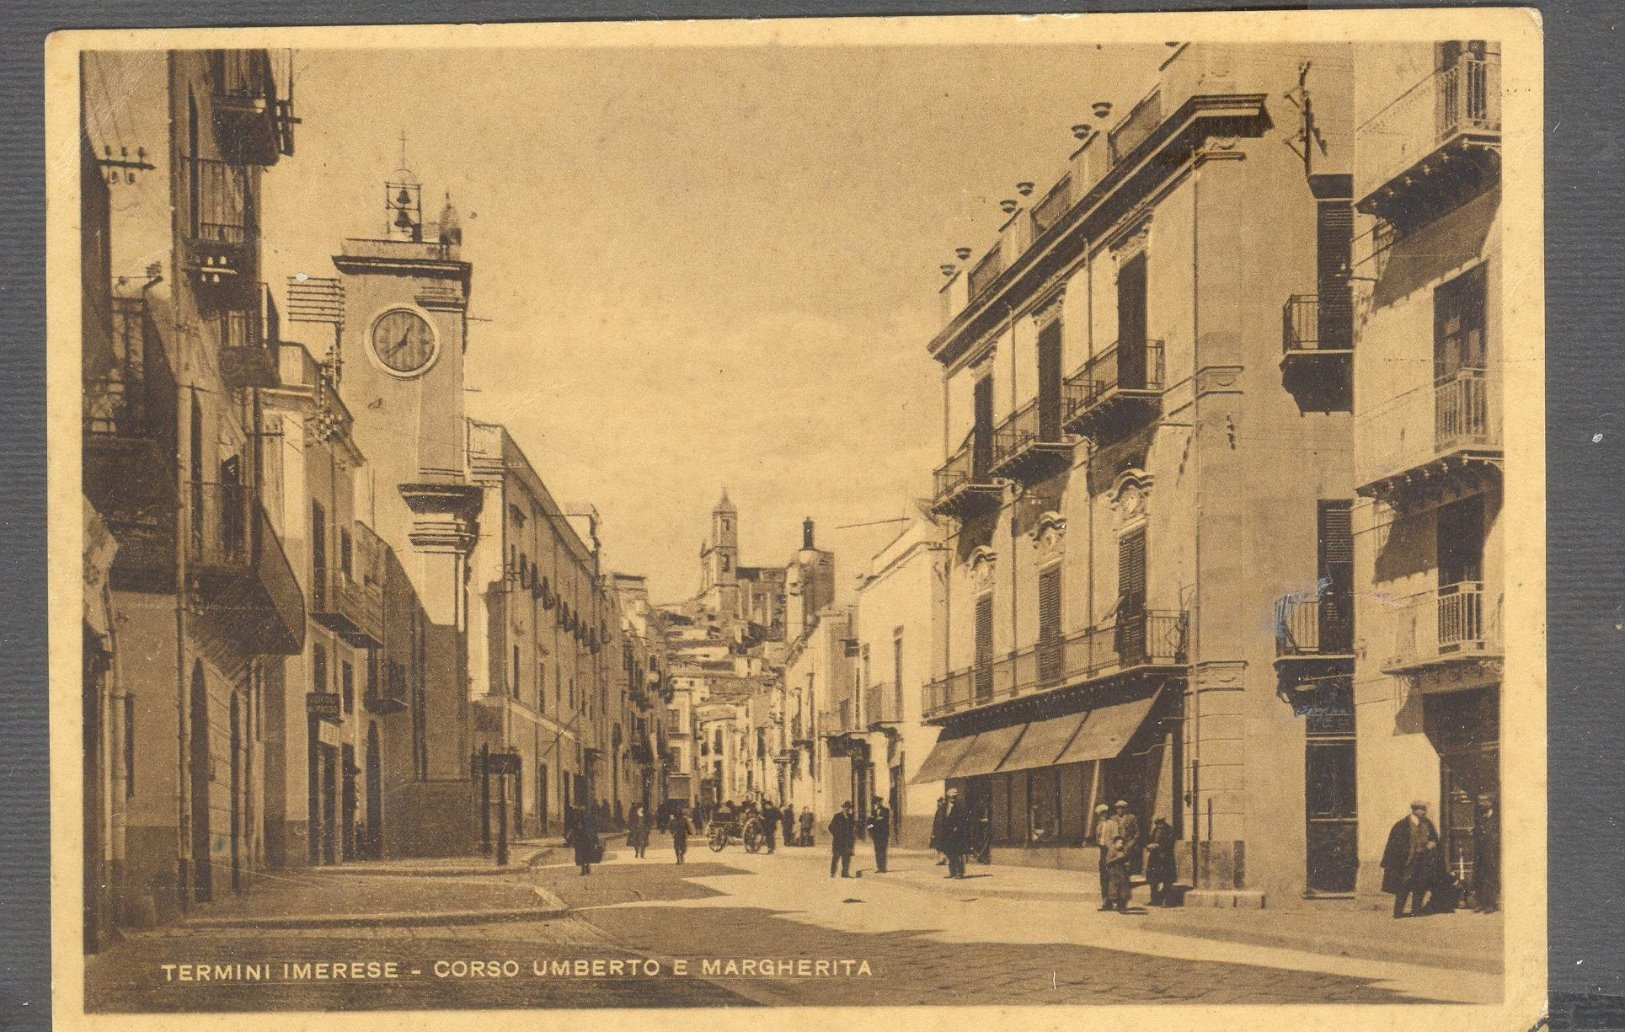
[806, 827]
[956, 831]
[936, 830]
[788, 817]
[1159, 862]
[588, 850]
[637, 830]
[1411, 860]
[843, 834]
[1105, 830]
[879, 825]
[681, 828]
[770, 823]
[1117, 874]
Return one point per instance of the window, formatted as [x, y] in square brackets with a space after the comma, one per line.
[1131, 323]
[1049, 381]
[982, 430]
[984, 648]
[897, 673]
[1335, 547]
[318, 669]
[347, 685]
[1049, 626]
[1130, 635]
[1458, 326]
[346, 548]
[129, 747]
[514, 676]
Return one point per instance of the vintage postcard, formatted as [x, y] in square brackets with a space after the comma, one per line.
[857, 523]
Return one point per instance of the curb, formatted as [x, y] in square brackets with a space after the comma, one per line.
[406, 871]
[399, 919]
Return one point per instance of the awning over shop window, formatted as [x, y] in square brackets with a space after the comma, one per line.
[1042, 742]
[1107, 730]
[1436, 250]
[988, 751]
[944, 757]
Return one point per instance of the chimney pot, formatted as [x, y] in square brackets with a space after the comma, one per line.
[963, 253]
[948, 268]
[1024, 188]
[1103, 109]
[1082, 130]
[1008, 205]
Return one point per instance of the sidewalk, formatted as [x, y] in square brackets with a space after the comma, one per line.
[385, 894]
[1335, 927]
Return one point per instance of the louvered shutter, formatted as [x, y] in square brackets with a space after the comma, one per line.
[1049, 625]
[984, 648]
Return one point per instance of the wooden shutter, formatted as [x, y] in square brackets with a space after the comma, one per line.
[1049, 382]
[1335, 537]
[982, 441]
[1130, 637]
[1131, 324]
[984, 647]
[1049, 625]
[1334, 249]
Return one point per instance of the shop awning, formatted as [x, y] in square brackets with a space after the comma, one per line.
[1107, 730]
[988, 751]
[1042, 742]
[942, 760]
[1435, 250]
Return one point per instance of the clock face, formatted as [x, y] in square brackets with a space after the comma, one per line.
[404, 342]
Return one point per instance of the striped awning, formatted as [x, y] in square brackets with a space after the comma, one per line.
[943, 758]
[1107, 730]
[1042, 742]
[988, 751]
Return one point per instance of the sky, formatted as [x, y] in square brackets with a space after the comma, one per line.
[699, 267]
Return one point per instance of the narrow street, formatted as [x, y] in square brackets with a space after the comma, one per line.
[906, 937]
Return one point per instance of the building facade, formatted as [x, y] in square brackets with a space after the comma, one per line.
[202, 600]
[1148, 448]
[1428, 562]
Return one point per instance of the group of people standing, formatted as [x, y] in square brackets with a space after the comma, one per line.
[1126, 850]
[1414, 868]
[843, 836]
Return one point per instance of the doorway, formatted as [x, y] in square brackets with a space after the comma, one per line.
[1332, 831]
[375, 795]
[236, 794]
[202, 878]
[349, 799]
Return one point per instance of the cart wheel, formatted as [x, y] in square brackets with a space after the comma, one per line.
[719, 839]
[753, 839]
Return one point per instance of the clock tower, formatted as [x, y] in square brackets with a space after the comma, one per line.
[401, 354]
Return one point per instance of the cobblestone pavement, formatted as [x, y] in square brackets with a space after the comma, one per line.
[906, 943]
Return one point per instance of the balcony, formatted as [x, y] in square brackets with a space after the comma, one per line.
[1439, 142]
[243, 584]
[1115, 391]
[1452, 625]
[984, 272]
[253, 106]
[882, 706]
[1317, 350]
[223, 232]
[1029, 446]
[390, 693]
[962, 489]
[350, 603]
[1151, 641]
[250, 343]
[129, 450]
[1458, 455]
[1314, 638]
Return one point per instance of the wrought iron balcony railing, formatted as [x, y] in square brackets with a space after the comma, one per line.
[1456, 109]
[350, 602]
[250, 342]
[1150, 639]
[1450, 624]
[391, 692]
[223, 223]
[1405, 458]
[1317, 323]
[963, 485]
[1114, 388]
[1030, 441]
[1314, 625]
[253, 105]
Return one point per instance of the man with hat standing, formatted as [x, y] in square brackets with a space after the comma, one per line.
[843, 833]
[955, 833]
[1106, 829]
[1410, 859]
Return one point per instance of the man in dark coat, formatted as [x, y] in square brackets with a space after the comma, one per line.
[586, 840]
[843, 834]
[879, 826]
[1487, 859]
[789, 818]
[1410, 860]
[770, 823]
[936, 829]
[681, 828]
[956, 832]
[1159, 862]
[806, 828]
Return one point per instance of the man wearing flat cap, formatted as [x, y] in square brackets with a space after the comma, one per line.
[955, 833]
[1128, 826]
[1411, 859]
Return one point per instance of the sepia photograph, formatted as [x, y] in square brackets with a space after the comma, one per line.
[968, 522]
